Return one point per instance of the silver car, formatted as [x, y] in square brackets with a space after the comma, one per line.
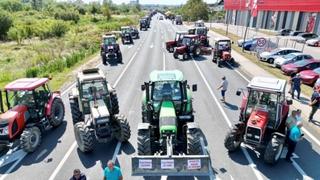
[291, 58]
[272, 55]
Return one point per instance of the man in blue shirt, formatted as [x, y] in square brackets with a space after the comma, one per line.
[296, 85]
[112, 172]
[294, 136]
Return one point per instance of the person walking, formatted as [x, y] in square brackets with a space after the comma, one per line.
[315, 102]
[294, 136]
[290, 82]
[77, 175]
[296, 85]
[224, 88]
[291, 120]
[112, 172]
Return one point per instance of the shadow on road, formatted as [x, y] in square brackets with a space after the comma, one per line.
[231, 106]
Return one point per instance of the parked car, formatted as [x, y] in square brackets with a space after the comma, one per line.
[313, 42]
[291, 58]
[309, 77]
[284, 32]
[272, 55]
[250, 45]
[296, 33]
[296, 67]
[303, 37]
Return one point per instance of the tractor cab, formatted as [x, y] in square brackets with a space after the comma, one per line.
[109, 39]
[170, 45]
[125, 30]
[202, 33]
[199, 23]
[222, 51]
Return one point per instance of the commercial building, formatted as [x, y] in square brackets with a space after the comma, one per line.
[302, 15]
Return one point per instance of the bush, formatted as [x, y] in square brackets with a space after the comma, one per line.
[67, 16]
[5, 23]
[59, 29]
[17, 34]
[11, 5]
[32, 72]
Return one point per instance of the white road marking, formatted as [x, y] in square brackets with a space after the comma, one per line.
[12, 156]
[163, 45]
[163, 61]
[311, 136]
[11, 168]
[116, 151]
[251, 163]
[151, 46]
[41, 154]
[124, 70]
[299, 169]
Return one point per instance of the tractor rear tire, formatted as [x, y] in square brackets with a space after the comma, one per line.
[124, 133]
[75, 111]
[119, 57]
[185, 56]
[273, 150]
[84, 137]
[57, 112]
[197, 52]
[114, 102]
[175, 55]
[104, 59]
[193, 142]
[30, 139]
[171, 49]
[144, 142]
[231, 142]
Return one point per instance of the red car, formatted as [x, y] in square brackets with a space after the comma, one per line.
[296, 67]
[310, 76]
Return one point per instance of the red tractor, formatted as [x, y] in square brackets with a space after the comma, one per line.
[222, 51]
[31, 108]
[202, 32]
[263, 113]
[170, 45]
[191, 45]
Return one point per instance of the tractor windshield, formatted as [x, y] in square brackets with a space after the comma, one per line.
[94, 90]
[224, 45]
[109, 40]
[179, 36]
[125, 30]
[187, 41]
[20, 97]
[264, 100]
[201, 31]
[166, 90]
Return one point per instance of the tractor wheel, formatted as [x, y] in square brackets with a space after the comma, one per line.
[193, 142]
[231, 141]
[273, 150]
[185, 56]
[30, 139]
[232, 61]
[124, 132]
[175, 55]
[75, 111]
[104, 59]
[57, 112]
[219, 63]
[197, 52]
[144, 116]
[144, 142]
[114, 102]
[171, 49]
[123, 42]
[119, 56]
[84, 137]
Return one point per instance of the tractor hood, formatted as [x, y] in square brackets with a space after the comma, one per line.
[170, 43]
[12, 114]
[99, 112]
[167, 118]
[258, 119]
[181, 50]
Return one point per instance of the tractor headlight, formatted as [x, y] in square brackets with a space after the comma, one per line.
[256, 137]
[4, 131]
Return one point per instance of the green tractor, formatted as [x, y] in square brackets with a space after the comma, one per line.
[95, 111]
[169, 142]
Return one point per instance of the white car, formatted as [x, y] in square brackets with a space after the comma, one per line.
[313, 42]
[272, 55]
[291, 58]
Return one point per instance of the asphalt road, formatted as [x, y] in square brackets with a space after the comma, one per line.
[58, 154]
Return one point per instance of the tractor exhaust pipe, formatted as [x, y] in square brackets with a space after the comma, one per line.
[1, 103]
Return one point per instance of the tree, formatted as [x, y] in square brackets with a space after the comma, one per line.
[11, 5]
[94, 8]
[6, 22]
[17, 34]
[106, 11]
[195, 10]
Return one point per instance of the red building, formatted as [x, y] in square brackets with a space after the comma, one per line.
[303, 15]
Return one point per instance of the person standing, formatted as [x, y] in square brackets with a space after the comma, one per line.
[294, 136]
[317, 83]
[77, 175]
[291, 120]
[315, 102]
[224, 88]
[296, 85]
[112, 172]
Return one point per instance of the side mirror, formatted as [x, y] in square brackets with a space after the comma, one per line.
[232, 42]
[289, 100]
[194, 87]
[238, 93]
[143, 87]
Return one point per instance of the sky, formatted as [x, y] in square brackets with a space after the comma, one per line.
[166, 2]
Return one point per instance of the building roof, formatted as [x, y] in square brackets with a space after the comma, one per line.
[172, 75]
[268, 84]
[26, 84]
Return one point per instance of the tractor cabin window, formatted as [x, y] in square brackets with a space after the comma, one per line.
[166, 90]
[21, 97]
[94, 90]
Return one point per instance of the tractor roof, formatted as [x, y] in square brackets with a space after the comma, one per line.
[182, 32]
[91, 74]
[190, 36]
[26, 84]
[268, 84]
[221, 39]
[173, 75]
[125, 27]
[108, 36]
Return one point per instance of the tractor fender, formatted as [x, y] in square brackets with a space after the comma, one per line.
[181, 50]
[193, 125]
[54, 95]
[143, 126]
[170, 44]
[280, 136]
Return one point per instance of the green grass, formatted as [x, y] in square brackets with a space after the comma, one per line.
[307, 90]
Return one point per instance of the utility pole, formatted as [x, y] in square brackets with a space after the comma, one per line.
[245, 32]
[227, 22]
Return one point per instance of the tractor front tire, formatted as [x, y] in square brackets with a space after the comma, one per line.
[75, 111]
[124, 132]
[30, 139]
[231, 142]
[219, 62]
[84, 137]
[175, 55]
[144, 142]
[114, 102]
[171, 49]
[273, 150]
[185, 56]
[197, 52]
[104, 59]
[193, 142]
[57, 112]
[119, 56]
[232, 61]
